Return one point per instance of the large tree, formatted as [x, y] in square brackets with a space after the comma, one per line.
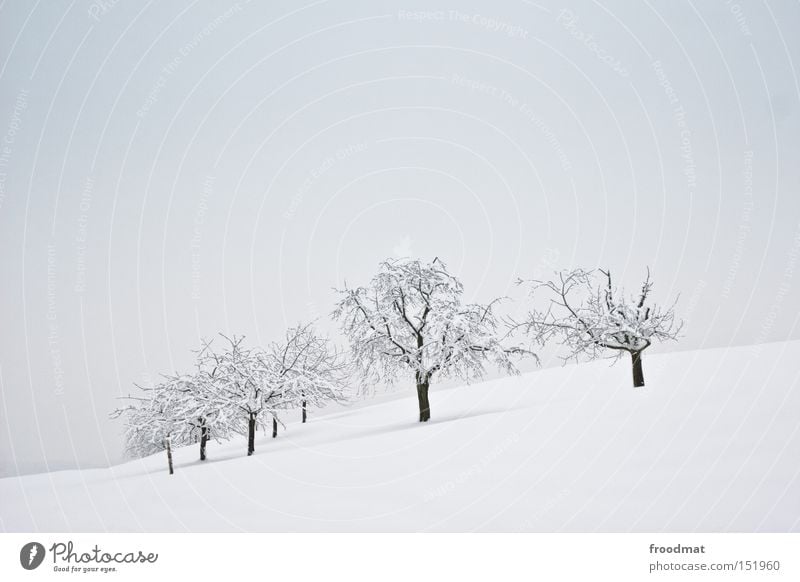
[593, 318]
[411, 320]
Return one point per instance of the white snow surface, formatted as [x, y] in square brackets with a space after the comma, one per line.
[712, 443]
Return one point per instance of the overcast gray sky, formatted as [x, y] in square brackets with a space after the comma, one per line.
[172, 170]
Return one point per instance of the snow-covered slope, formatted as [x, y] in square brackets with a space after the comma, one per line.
[711, 444]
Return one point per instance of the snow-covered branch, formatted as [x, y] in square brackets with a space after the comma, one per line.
[590, 316]
[410, 321]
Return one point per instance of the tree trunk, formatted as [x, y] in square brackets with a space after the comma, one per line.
[638, 373]
[251, 435]
[169, 455]
[203, 439]
[304, 411]
[423, 382]
[274, 427]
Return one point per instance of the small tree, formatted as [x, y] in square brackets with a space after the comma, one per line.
[308, 369]
[159, 420]
[410, 319]
[137, 415]
[179, 410]
[207, 411]
[243, 382]
[591, 317]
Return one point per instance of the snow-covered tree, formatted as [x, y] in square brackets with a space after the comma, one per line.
[234, 390]
[592, 317]
[208, 413]
[308, 369]
[138, 416]
[181, 409]
[161, 418]
[410, 320]
[244, 382]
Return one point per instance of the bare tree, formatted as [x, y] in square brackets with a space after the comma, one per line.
[591, 317]
[410, 319]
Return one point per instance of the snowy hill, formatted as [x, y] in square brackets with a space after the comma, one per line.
[710, 444]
